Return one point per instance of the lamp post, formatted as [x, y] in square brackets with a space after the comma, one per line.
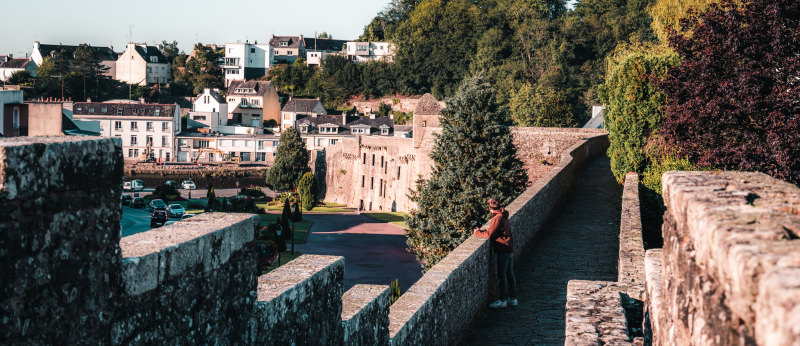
[294, 210]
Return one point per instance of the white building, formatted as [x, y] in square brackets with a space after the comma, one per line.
[105, 55]
[143, 65]
[12, 66]
[210, 109]
[296, 109]
[251, 103]
[207, 147]
[365, 51]
[136, 124]
[244, 61]
[317, 49]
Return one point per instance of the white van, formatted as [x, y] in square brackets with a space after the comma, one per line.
[133, 185]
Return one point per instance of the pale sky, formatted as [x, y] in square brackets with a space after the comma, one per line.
[106, 22]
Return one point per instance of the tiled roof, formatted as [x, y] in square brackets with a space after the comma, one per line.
[323, 44]
[322, 119]
[146, 52]
[101, 53]
[291, 41]
[128, 109]
[15, 63]
[218, 136]
[300, 105]
[373, 123]
[403, 128]
[258, 87]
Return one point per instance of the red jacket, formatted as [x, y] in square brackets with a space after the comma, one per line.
[499, 232]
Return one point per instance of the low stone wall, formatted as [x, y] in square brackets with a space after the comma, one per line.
[365, 315]
[220, 177]
[730, 260]
[174, 277]
[601, 312]
[595, 315]
[301, 302]
[654, 304]
[440, 306]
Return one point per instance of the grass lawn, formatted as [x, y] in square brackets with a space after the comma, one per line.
[286, 257]
[396, 218]
[301, 228]
[328, 208]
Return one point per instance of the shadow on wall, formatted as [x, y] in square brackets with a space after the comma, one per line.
[320, 172]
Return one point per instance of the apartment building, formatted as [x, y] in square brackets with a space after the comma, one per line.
[359, 52]
[215, 147]
[245, 61]
[250, 103]
[136, 124]
[143, 65]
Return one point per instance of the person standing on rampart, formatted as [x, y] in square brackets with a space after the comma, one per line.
[499, 232]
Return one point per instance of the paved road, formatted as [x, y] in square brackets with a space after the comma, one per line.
[135, 220]
[374, 252]
[581, 243]
[200, 193]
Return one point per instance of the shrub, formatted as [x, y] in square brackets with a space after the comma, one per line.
[308, 191]
[395, 291]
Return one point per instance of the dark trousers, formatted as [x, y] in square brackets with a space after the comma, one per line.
[505, 274]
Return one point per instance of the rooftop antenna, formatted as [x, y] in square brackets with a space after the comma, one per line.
[130, 33]
[130, 63]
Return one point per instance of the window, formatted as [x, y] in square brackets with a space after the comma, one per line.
[261, 156]
[105, 109]
[130, 152]
[91, 110]
[386, 168]
[424, 123]
[260, 145]
[15, 118]
[165, 126]
[149, 125]
[163, 141]
[398, 173]
[333, 141]
[199, 117]
[118, 125]
[119, 111]
[252, 50]
[372, 183]
[304, 128]
[153, 59]
[134, 126]
[284, 44]
[274, 144]
[365, 159]
[202, 144]
[380, 188]
[373, 159]
[362, 180]
[384, 131]
[381, 161]
[134, 141]
[158, 112]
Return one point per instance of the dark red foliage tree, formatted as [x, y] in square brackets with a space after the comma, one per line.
[734, 101]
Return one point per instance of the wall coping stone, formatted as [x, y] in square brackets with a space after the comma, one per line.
[595, 315]
[277, 282]
[359, 296]
[365, 315]
[161, 253]
[743, 227]
[631, 243]
[654, 307]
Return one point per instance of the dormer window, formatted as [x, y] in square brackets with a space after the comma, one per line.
[385, 131]
[153, 59]
[304, 128]
[284, 44]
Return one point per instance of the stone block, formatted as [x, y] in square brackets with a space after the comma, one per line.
[140, 274]
[365, 315]
[595, 314]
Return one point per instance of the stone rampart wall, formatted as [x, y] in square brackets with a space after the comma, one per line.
[440, 306]
[730, 272]
[365, 315]
[68, 278]
[605, 312]
[540, 149]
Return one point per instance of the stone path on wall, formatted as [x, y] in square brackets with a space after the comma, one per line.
[580, 242]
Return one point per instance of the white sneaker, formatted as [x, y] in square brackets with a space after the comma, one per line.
[498, 304]
[513, 302]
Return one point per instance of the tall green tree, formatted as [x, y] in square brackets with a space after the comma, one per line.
[170, 50]
[474, 160]
[291, 161]
[308, 191]
[87, 67]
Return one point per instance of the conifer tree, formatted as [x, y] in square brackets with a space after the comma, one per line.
[308, 191]
[474, 160]
[291, 161]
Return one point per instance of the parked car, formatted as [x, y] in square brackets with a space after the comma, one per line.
[171, 183]
[157, 204]
[175, 210]
[159, 217]
[138, 202]
[170, 222]
[188, 185]
[125, 199]
[186, 216]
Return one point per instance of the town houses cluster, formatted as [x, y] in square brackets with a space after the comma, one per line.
[240, 123]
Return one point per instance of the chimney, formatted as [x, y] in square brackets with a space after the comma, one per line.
[344, 119]
[372, 115]
[88, 99]
[141, 99]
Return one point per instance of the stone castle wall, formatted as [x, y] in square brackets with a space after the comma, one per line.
[729, 270]
[352, 178]
[68, 278]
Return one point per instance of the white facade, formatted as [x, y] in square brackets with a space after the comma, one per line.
[259, 148]
[143, 65]
[245, 61]
[210, 109]
[135, 130]
[8, 97]
[365, 51]
[6, 72]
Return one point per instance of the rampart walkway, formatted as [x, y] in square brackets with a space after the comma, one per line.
[581, 242]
